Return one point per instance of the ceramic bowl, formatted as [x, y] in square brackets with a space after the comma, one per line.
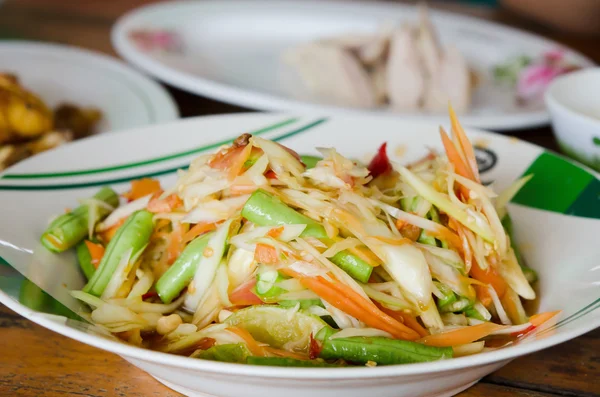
[574, 107]
[556, 219]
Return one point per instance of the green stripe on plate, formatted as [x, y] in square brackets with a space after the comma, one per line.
[575, 316]
[144, 162]
[139, 176]
[559, 186]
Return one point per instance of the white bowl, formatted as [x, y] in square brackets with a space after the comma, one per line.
[573, 101]
[558, 233]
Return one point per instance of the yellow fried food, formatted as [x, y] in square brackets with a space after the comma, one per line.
[79, 120]
[27, 115]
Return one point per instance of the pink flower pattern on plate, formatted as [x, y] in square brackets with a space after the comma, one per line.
[156, 40]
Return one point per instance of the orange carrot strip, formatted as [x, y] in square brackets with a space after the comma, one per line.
[275, 232]
[406, 319]
[461, 336]
[253, 346]
[142, 187]
[238, 190]
[96, 252]
[459, 166]
[176, 243]
[347, 300]
[168, 204]
[197, 230]
[467, 148]
[538, 319]
[266, 254]
[489, 276]
[109, 233]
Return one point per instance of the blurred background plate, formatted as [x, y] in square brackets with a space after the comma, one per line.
[60, 74]
[230, 51]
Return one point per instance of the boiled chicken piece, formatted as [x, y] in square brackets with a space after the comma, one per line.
[378, 75]
[333, 74]
[452, 83]
[405, 77]
[429, 47]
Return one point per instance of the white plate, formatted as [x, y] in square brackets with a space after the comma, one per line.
[231, 52]
[558, 235]
[60, 73]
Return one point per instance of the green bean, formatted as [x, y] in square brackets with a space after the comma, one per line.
[179, 275]
[265, 210]
[459, 305]
[304, 303]
[383, 351]
[449, 296]
[287, 362]
[265, 287]
[69, 229]
[353, 265]
[85, 260]
[35, 298]
[229, 353]
[310, 161]
[134, 234]
[471, 312]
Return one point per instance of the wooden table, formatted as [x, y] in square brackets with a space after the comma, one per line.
[38, 362]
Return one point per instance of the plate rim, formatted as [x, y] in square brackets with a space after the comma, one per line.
[263, 101]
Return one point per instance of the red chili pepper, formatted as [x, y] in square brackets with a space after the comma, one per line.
[314, 348]
[524, 332]
[380, 164]
[150, 294]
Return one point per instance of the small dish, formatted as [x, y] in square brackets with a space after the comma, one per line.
[574, 107]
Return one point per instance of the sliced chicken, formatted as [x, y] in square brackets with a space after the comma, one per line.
[333, 74]
[378, 75]
[451, 84]
[375, 51]
[405, 77]
[427, 43]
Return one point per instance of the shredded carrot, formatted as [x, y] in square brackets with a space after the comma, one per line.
[454, 157]
[96, 252]
[489, 276]
[465, 144]
[461, 336]
[238, 162]
[406, 319]
[467, 253]
[284, 353]
[346, 299]
[483, 294]
[244, 295]
[538, 319]
[109, 233]
[142, 187]
[253, 346]
[199, 229]
[275, 232]
[176, 243]
[266, 254]
[167, 204]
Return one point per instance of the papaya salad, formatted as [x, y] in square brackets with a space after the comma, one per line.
[258, 255]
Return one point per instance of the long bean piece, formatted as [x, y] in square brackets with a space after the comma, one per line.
[179, 275]
[69, 229]
[134, 234]
[381, 350]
